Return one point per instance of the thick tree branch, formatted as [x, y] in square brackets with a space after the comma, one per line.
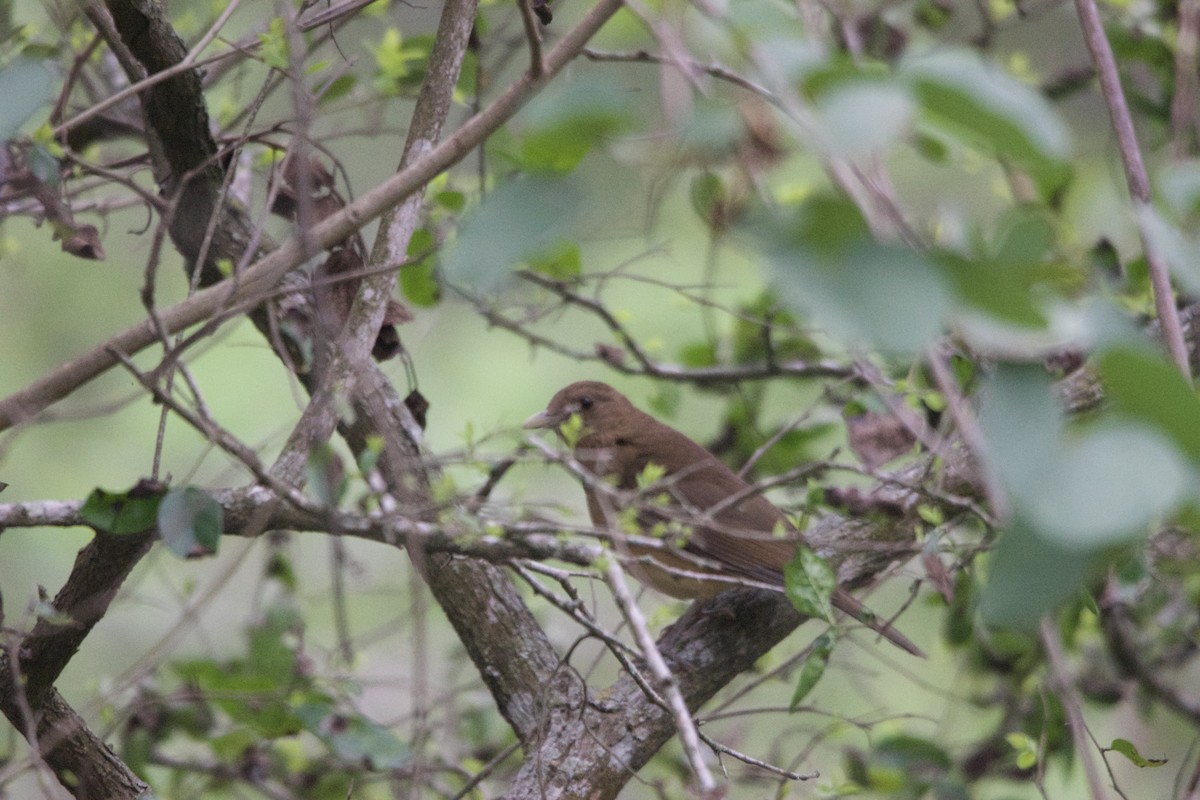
[82, 763]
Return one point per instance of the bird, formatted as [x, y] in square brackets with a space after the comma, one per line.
[733, 538]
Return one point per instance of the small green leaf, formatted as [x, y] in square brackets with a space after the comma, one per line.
[560, 261]
[813, 669]
[338, 87]
[650, 475]
[1026, 747]
[274, 48]
[571, 430]
[190, 522]
[418, 280]
[1127, 749]
[451, 201]
[121, 513]
[930, 513]
[809, 582]
[399, 63]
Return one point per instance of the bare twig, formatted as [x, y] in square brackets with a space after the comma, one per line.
[533, 36]
[1065, 690]
[1135, 177]
[684, 723]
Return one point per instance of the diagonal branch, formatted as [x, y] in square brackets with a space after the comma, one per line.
[260, 278]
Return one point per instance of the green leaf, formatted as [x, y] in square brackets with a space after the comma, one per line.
[698, 354]
[1086, 488]
[825, 261]
[1028, 576]
[337, 88]
[352, 737]
[418, 280]
[399, 64]
[518, 221]
[813, 669]
[1021, 423]
[1145, 386]
[809, 582]
[1011, 293]
[273, 47]
[452, 201]
[562, 125]
[863, 118]
[1179, 250]
[651, 474]
[26, 85]
[1026, 747]
[1107, 484]
[978, 103]
[269, 652]
[710, 199]
[1127, 749]
[121, 513]
[190, 522]
[1179, 184]
[256, 700]
[560, 261]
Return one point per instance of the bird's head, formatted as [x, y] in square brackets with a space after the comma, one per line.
[601, 409]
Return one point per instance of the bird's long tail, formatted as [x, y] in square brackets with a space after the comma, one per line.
[844, 601]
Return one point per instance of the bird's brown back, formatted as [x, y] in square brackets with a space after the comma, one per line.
[744, 535]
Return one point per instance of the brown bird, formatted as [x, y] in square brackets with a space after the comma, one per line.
[735, 528]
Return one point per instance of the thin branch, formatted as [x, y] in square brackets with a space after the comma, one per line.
[1135, 178]
[684, 723]
[1065, 691]
[757, 762]
[533, 36]
[712, 68]
[968, 428]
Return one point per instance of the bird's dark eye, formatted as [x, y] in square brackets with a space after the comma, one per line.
[585, 402]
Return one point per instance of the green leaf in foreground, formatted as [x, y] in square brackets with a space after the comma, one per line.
[190, 522]
[809, 582]
[813, 669]
[26, 85]
[123, 513]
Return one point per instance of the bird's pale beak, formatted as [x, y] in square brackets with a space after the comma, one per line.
[542, 419]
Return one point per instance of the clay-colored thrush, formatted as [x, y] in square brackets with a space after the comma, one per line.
[729, 525]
